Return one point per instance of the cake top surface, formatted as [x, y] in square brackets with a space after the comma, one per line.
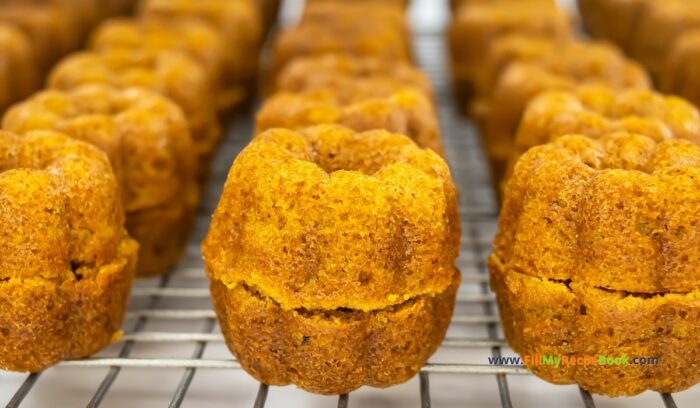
[335, 219]
[60, 208]
[595, 110]
[145, 136]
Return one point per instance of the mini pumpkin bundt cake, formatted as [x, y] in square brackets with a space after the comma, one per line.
[172, 74]
[660, 24]
[476, 26]
[81, 14]
[147, 140]
[362, 39]
[456, 4]
[569, 66]
[404, 111]
[343, 73]
[612, 20]
[194, 38]
[19, 74]
[394, 3]
[506, 50]
[238, 22]
[595, 111]
[679, 73]
[48, 26]
[597, 253]
[332, 14]
[66, 261]
[331, 257]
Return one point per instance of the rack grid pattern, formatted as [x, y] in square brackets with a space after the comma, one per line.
[479, 219]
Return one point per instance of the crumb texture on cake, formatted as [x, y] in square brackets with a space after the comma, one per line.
[621, 212]
[66, 262]
[328, 218]
[402, 110]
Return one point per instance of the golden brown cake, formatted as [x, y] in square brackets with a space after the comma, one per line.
[345, 73]
[66, 262]
[597, 254]
[48, 26]
[334, 13]
[147, 140]
[612, 20]
[172, 74]
[81, 14]
[339, 248]
[238, 22]
[569, 66]
[393, 3]
[456, 4]
[507, 49]
[404, 111]
[476, 26]
[660, 24]
[19, 74]
[194, 38]
[545, 317]
[369, 38]
[679, 72]
[595, 111]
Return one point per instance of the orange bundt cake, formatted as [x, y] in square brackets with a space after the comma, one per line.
[404, 111]
[19, 74]
[612, 20]
[172, 74]
[505, 50]
[332, 14]
[595, 111]
[597, 253]
[569, 66]
[456, 4]
[66, 262]
[147, 140]
[49, 28]
[476, 26]
[195, 38]
[343, 73]
[679, 72]
[362, 39]
[659, 26]
[238, 22]
[331, 257]
[393, 3]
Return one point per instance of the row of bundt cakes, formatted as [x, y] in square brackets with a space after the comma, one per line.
[331, 253]
[597, 250]
[148, 112]
[34, 34]
[663, 36]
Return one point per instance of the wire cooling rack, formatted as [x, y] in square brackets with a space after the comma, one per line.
[172, 339]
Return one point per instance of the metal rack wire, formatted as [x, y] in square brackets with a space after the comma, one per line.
[479, 217]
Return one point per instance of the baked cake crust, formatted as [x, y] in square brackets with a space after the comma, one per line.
[171, 74]
[548, 317]
[329, 351]
[568, 67]
[619, 213]
[147, 139]
[394, 203]
[595, 111]
[342, 72]
[404, 111]
[597, 254]
[66, 262]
